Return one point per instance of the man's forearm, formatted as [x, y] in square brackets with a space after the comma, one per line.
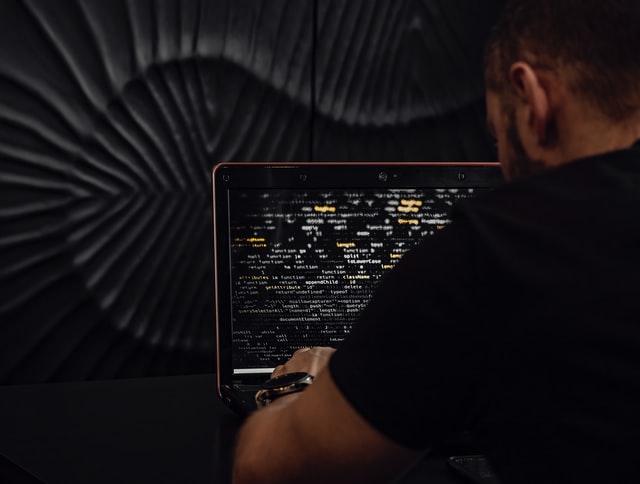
[259, 454]
[315, 437]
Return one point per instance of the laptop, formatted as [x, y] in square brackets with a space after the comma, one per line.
[300, 247]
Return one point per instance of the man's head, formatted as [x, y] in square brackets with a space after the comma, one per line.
[557, 73]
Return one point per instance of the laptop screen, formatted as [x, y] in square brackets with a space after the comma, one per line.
[303, 261]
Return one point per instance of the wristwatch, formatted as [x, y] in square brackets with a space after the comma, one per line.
[282, 385]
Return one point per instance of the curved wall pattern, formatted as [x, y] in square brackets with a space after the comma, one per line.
[402, 80]
[113, 113]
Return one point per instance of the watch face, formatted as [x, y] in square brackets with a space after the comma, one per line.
[284, 380]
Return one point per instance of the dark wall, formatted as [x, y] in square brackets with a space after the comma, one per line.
[113, 113]
[401, 80]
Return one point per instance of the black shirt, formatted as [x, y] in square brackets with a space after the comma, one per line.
[521, 322]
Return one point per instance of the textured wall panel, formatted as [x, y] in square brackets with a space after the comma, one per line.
[401, 79]
[111, 115]
[113, 112]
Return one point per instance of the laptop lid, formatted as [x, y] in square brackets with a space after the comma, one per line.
[299, 249]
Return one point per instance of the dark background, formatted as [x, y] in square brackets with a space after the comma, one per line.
[112, 114]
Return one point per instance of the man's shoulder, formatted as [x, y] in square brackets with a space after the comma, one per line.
[570, 186]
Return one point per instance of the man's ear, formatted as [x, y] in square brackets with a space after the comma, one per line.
[530, 90]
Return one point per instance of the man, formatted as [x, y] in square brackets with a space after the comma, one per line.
[519, 322]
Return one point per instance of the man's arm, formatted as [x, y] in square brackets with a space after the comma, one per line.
[315, 436]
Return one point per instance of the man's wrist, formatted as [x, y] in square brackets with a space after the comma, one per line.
[282, 386]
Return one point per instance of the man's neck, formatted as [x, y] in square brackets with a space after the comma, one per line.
[590, 138]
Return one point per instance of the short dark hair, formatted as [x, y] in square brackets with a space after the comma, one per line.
[597, 41]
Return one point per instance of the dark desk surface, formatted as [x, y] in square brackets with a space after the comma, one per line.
[152, 430]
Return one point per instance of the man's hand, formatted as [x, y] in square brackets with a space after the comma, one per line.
[308, 360]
